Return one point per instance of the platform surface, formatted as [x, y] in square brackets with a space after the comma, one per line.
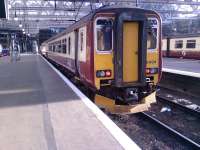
[189, 65]
[38, 111]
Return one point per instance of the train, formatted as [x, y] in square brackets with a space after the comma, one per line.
[4, 51]
[116, 53]
[182, 46]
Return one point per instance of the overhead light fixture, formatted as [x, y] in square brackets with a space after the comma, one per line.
[28, 34]
[20, 24]
[24, 32]
[23, 29]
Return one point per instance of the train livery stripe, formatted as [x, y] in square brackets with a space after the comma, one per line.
[116, 132]
[181, 72]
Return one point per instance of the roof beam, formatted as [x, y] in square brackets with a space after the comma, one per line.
[166, 2]
[38, 16]
[49, 8]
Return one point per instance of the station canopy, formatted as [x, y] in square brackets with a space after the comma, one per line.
[32, 15]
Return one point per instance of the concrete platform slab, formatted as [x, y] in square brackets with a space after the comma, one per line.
[38, 111]
[188, 65]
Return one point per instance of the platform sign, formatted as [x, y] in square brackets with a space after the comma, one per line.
[3, 9]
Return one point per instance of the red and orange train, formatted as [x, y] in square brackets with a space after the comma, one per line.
[116, 52]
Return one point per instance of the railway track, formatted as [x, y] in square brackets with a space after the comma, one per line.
[151, 134]
[192, 143]
[185, 108]
[174, 123]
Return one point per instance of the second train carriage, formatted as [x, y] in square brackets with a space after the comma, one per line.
[116, 52]
[185, 46]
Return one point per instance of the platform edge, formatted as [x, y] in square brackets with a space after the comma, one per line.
[115, 131]
[181, 72]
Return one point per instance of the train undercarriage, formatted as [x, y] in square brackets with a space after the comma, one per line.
[125, 100]
[115, 100]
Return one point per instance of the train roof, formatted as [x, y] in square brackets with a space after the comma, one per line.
[182, 36]
[112, 8]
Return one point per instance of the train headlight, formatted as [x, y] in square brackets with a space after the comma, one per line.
[108, 73]
[103, 73]
[43, 49]
[151, 70]
[147, 70]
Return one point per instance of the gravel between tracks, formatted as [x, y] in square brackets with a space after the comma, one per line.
[146, 134]
[181, 121]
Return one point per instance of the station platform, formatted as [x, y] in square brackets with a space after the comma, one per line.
[39, 111]
[189, 67]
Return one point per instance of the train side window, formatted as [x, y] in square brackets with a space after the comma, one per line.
[179, 44]
[69, 45]
[152, 33]
[66, 45]
[152, 38]
[49, 47]
[64, 48]
[191, 44]
[104, 34]
[59, 48]
[53, 48]
[82, 44]
[81, 41]
[56, 47]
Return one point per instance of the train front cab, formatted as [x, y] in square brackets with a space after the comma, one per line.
[132, 61]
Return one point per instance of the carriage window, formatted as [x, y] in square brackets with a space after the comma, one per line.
[64, 48]
[59, 48]
[179, 44]
[104, 34]
[81, 41]
[56, 47]
[50, 48]
[191, 44]
[69, 45]
[53, 48]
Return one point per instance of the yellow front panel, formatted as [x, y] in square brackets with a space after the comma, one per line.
[153, 62]
[103, 62]
[130, 51]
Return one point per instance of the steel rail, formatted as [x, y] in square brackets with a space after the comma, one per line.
[180, 106]
[174, 132]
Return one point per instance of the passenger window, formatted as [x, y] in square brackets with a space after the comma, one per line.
[152, 34]
[53, 48]
[104, 34]
[59, 48]
[191, 44]
[179, 44]
[69, 45]
[64, 48]
[50, 48]
[81, 41]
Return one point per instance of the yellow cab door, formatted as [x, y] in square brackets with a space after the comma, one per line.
[130, 51]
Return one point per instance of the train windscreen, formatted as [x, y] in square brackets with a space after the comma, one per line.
[104, 34]
[152, 34]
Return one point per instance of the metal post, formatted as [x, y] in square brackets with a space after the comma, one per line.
[136, 3]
